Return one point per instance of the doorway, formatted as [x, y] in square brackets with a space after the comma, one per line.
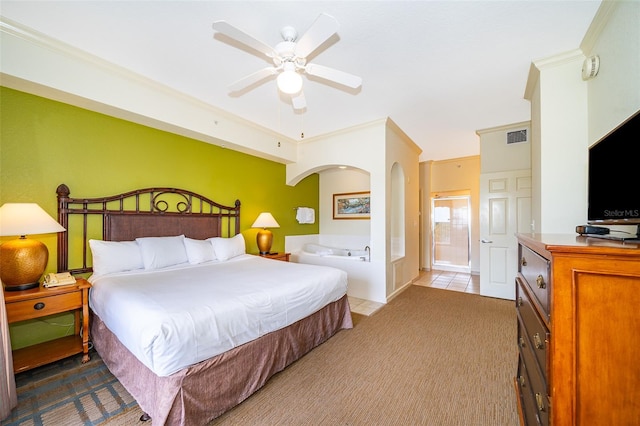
[450, 228]
[505, 210]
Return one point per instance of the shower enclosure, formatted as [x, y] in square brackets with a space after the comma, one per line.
[450, 227]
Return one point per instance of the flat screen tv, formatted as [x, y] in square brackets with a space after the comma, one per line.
[614, 176]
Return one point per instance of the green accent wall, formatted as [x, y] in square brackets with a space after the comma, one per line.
[44, 143]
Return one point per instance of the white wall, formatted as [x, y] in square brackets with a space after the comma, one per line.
[402, 152]
[498, 156]
[337, 181]
[425, 218]
[360, 147]
[569, 114]
[560, 145]
[374, 148]
[614, 94]
[536, 177]
[563, 149]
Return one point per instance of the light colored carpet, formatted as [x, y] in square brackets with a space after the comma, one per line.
[429, 357]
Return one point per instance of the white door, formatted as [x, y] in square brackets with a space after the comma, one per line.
[505, 210]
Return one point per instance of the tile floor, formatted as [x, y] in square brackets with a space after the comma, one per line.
[454, 281]
[363, 307]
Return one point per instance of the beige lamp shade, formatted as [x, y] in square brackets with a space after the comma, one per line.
[265, 237]
[23, 261]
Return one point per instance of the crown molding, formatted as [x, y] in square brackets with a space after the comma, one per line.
[599, 22]
[98, 85]
[504, 128]
[549, 62]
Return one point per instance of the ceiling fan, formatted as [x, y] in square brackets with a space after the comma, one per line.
[290, 58]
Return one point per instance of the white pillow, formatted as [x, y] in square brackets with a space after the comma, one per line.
[160, 252]
[226, 248]
[115, 256]
[199, 251]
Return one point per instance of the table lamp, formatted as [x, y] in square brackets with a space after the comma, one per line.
[23, 261]
[265, 237]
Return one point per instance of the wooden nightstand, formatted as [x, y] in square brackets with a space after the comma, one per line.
[40, 302]
[277, 256]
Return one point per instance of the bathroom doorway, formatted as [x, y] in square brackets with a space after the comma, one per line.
[450, 228]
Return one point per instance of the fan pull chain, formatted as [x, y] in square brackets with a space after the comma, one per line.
[279, 104]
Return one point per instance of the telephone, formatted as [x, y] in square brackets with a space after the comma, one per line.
[54, 280]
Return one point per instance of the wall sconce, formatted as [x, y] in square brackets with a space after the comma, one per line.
[23, 261]
[265, 237]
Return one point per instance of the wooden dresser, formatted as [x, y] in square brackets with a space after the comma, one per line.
[578, 309]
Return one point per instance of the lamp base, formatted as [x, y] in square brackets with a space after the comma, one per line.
[22, 263]
[264, 240]
[22, 286]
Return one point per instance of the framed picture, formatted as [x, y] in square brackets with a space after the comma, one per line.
[352, 205]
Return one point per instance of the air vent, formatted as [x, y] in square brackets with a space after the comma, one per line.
[517, 136]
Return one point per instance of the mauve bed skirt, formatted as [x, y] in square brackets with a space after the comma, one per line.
[200, 393]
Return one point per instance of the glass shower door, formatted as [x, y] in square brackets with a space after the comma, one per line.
[450, 230]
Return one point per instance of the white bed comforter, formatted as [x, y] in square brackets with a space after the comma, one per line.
[175, 317]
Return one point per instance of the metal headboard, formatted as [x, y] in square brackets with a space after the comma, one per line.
[148, 212]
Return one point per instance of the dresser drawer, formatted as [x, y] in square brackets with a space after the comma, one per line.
[527, 400]
[42, 306]
[537, 384]
[535, 271]
[533, 327]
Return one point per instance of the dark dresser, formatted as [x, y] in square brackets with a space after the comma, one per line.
[578, 309]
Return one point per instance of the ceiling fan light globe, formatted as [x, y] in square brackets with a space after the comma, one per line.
[289, 82]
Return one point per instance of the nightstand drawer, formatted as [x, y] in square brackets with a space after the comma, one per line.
[43, 306]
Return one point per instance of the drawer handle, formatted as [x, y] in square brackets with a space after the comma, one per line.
[540, 282]
[38, 306]
[521, 380]
[537, 341]
[522, 345]
[519, 301]
[523, 261]
[540, 401]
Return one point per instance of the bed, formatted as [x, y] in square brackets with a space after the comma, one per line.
[251, 317]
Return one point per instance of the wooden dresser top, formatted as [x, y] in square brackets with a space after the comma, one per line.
[573, 243]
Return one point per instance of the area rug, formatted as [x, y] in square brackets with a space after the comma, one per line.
[68, 392]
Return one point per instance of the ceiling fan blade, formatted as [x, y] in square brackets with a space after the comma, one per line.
[298, 101]
[252, 78]
[237, 34]
[322, 28]
[334, 75]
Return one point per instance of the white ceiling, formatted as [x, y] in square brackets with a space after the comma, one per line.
[439, 69]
